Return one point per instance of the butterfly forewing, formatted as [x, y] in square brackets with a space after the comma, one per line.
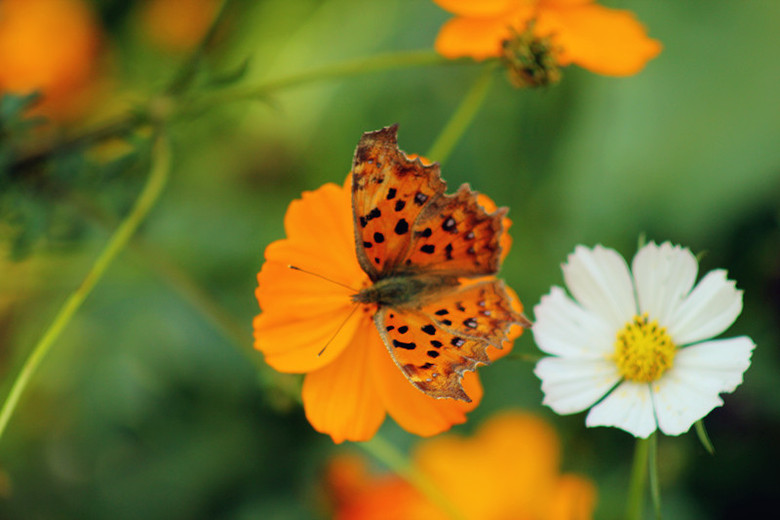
[389, 192]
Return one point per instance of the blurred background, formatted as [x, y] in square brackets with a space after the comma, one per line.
[150, 404]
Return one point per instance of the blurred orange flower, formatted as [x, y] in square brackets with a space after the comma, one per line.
[606, 41]
[509, 469]
[178, 25]
[354, 383]
[51, 46]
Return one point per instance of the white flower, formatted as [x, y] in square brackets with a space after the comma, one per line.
[635, 346]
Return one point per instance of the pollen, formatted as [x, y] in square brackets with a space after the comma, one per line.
[643, 350]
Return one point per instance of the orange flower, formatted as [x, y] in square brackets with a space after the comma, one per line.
[509, 469]
[606, 41]
[353, 383]
[51, 46]
[177, 25]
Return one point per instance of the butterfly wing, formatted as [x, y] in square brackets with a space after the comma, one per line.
[389, 192]
[435, 344]
[455, 236]
[480, 310]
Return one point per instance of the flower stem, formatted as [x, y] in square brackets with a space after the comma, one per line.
[356, 67]
[701, 432]
[636, 488]
[655, 488]
[157, 178]
[455, 128]
[386, 453]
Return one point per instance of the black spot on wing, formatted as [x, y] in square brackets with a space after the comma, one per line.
[401, 227]
[429, 329]
[401, 344]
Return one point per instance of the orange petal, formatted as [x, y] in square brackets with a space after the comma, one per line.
[302, 312]
[296, 345]
[340, 399]
[565, 3]
[319, 227]
[480, 8]
[409, 407]
[528, 449]
[511, 466]
[479, 38]
[606, 41]
[575, 497]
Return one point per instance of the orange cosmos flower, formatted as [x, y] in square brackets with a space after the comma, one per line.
[51, 46]
[509, 469]
[353, 383]
[606, 41]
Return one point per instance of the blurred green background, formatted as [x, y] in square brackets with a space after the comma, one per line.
[149, 406]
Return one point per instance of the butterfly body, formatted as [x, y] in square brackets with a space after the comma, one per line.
[430, 257]
[404, 290]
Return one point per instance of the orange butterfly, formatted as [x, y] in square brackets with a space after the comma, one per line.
[425, 252]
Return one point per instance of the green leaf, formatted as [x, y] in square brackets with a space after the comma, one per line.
[230, 76]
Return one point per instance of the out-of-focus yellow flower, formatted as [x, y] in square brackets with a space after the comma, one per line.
[606, 41]
[51, 46]
[509, 469]
[177, 25]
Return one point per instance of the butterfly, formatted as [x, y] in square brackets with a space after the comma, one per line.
[430, 257]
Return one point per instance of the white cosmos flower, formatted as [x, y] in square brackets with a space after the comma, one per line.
[634, 346]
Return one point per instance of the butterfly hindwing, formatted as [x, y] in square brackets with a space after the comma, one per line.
[389, 192]
[481, 310]
[431, 357]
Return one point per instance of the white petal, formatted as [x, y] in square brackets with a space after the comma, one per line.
[628, 407]
[663, 275]
[691, 388]
[564, 328]
[711, 308]
[599, 280]
[572, 385]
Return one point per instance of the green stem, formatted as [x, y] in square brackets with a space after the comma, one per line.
[386, 453]
[636, 487]
[701, 432]
[151, 191]
[463, 116]
[356, 67]
[655, 488]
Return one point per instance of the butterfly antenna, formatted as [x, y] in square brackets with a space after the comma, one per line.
[339, 329]
[296, 268]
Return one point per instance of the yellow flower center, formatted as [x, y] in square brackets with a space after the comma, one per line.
[643, 350]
